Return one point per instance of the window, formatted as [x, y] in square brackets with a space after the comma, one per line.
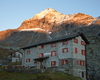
[53, 53]
[16, 60]
[41, 55]
[18, 55]
[82, 74]
[14, 55]
[64, 42]
[83, 43]
[75, 50]
[81, 62]
[78, 62]
[53, 63]
[35, 62]
[75, 40]
[28, 60]
[41, 46]
[83, 52]
[53, 45]
[64, 62]
[64, 50]
[28, 52]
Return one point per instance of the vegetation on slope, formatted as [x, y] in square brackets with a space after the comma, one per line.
[39, 76]
[5, 52]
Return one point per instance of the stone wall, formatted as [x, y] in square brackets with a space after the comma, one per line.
[93, 58]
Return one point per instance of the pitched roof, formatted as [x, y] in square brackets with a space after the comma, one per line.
[60, 39]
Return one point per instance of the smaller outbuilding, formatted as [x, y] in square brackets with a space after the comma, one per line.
[16, 57]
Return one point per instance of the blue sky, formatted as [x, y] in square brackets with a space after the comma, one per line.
[14, 12]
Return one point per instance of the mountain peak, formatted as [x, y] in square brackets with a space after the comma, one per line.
[51, 18]
[43, 13]
[50, 9]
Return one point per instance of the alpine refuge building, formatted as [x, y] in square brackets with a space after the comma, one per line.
[67, 53]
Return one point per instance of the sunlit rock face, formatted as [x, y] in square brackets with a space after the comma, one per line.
[51, 18]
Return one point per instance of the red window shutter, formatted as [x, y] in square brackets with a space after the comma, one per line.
[64, 42]
[66, 61]
[78, 62]
[29, 59]
[62, 62]
[54, 62]
[53, 45]
[81, 62]
[51, 63]
[62, 50]
[76, 50]
[75, 40]
[83, 43]
[26, 60]
[42, 54]
[53, 53]
[28, 52]
[66, 49]
[35, 62]
[42, 46]
[84, 52]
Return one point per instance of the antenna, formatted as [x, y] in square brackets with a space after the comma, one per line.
[49, 35]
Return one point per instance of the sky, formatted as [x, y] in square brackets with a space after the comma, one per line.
[14, 12]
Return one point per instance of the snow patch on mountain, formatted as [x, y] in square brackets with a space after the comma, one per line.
[32, 29]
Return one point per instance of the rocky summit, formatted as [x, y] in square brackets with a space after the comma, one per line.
[50, 24]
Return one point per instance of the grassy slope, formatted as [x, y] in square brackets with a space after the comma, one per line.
[39, 76]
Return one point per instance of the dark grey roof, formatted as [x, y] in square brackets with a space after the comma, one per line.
[60, 39]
